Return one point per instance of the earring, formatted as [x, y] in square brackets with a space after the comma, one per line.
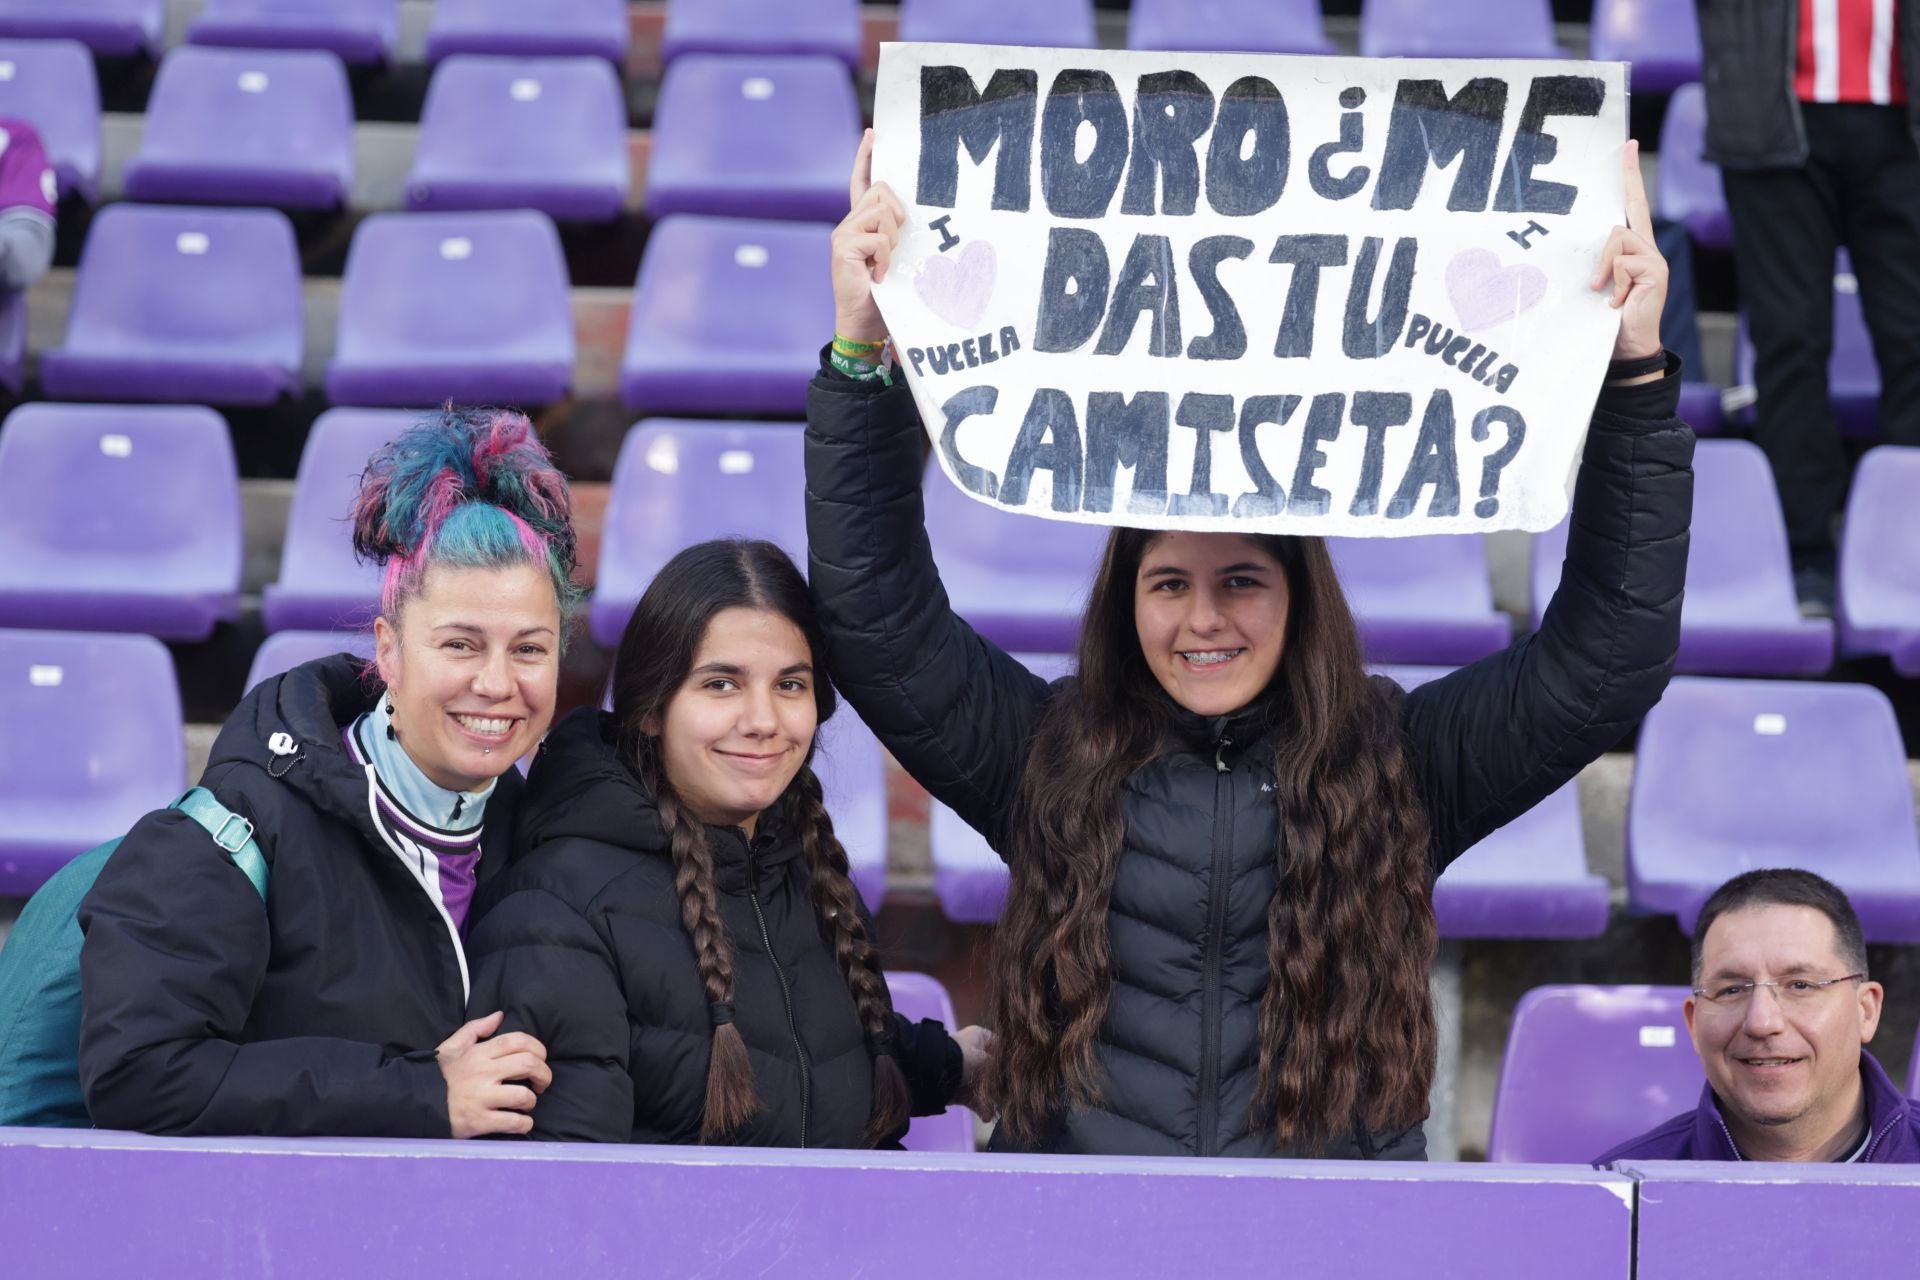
[393, 734]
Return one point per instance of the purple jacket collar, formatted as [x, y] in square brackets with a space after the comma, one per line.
[1701, 1134]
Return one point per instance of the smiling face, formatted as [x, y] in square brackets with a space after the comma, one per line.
[1786, 1068]
[739, 727]
[1211, 612]
[472, 670]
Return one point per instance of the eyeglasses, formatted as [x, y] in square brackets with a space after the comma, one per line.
[1793, 991]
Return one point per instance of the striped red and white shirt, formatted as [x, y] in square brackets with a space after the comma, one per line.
[1849, 52]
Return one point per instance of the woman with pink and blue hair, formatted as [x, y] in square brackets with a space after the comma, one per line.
[382, 796]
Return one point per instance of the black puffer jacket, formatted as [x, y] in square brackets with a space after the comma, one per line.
[1749, 50]
[581, 943]
[1178, 1048]
[319, 1013]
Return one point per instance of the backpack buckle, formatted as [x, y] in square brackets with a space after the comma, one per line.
[232, 846]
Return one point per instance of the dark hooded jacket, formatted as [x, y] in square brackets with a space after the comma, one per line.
[581, 943]
[320, 1012]
[1179, 1048]
[1893, 1128]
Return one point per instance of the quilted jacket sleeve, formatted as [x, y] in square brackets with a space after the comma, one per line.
[175, 954]
[1495, 738]
[954, 709]
[552, 971]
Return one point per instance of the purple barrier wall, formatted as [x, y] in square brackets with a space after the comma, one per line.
[1756, 1221]
[110, 1204]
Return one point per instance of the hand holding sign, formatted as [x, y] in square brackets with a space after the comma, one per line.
[863, 246]
[1635, 270]
[1253, 293]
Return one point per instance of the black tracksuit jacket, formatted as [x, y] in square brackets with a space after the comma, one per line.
[1178, 1050]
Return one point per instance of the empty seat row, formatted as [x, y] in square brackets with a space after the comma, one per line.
[1418, 600]
[360, 31]
[744, 136]
[205, 305]
[196, 304]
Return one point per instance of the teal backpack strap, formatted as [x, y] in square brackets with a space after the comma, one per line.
[230, 831]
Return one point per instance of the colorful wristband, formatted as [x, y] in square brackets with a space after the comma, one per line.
[860, 370]
[858, 350]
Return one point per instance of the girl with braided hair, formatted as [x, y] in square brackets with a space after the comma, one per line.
[679, 927]
[382, 797]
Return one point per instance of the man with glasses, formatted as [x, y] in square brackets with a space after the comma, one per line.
[1780, 1013]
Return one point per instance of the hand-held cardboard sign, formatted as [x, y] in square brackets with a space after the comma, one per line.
[1276, 294]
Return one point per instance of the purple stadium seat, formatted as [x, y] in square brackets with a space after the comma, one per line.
[361, 32]
[523, 133]
[470, 307]
[1853, 375]
[830, 27]
[94, 740]
[284, 650]
[1529, 879]
[727, 317]
[852, 769]
[1731, 775]
[1020, 580]
[1588, 1068]
[1423, 600]
[551, 28]
[51, 83]
[1047, 24]
[183, 305]
[1660, 38]
[1686, 187]
[322, 586]
[13, 339]
[1417, 29]
[1740, 616]
[917, 996]
[247, 126]
[677, 483]
[1241, 26]
[1879, 604]
[118, 518]
[1700, 408]
[968, 876]
[753, 137]
[115, 28]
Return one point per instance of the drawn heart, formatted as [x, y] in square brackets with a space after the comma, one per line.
[958, 288]
[1484, 293]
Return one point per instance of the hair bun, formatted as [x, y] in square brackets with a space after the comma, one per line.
[460, 456]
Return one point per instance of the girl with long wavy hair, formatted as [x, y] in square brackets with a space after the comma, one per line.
[679, 928]
[1222, 834]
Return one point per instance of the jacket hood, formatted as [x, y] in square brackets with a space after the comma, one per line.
[580, 788]
[290, 725]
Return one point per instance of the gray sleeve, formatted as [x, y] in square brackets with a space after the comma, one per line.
[26, 247]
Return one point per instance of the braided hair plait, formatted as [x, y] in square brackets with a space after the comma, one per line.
[837, 905]
[730, 1094]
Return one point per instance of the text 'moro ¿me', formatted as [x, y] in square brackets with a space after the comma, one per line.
[1224, 291]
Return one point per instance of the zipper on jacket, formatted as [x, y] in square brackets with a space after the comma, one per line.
[786, 992]
[1209, 1144]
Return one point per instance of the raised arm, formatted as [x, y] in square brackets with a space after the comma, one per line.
[1492, 739]
[954, 709]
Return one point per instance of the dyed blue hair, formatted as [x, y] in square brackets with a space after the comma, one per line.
[467, 488]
